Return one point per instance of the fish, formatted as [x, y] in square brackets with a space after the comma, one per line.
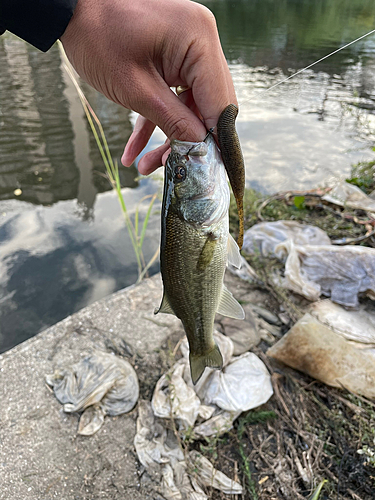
[196, 247]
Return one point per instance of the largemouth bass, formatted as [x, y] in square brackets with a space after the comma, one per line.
[196, 246]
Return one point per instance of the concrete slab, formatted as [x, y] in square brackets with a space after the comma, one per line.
[41, 455]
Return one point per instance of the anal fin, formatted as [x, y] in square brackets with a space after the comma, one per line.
[212, 359]
[228, 305]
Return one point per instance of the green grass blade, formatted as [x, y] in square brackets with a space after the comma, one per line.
[316, 493]
[145, 222]
[136, 222]
[146, 268]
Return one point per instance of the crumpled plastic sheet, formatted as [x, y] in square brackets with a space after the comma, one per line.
[173, 397]
[182, 476]
[177, 485]
[245, 272]
[325, 355]
[209, 476]
[263, 238]
[314, 267]
[356, 326]
[207, 409]
[101, 384]
[338, 272]
[152, 442]
[244, 383]
[352, 196]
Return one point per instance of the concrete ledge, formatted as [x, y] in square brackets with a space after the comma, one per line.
[41, 456]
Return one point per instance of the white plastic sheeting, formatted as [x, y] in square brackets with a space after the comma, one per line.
[207, 409]
[339, 272]
[345, 194]
[357, 326]
[99, 385]
[263, 238]
[182, 475]
[244, 383]
[314, 267]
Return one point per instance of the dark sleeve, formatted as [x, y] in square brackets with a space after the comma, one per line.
[39, 22]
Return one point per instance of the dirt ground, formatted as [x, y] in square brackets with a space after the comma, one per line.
[306, 433]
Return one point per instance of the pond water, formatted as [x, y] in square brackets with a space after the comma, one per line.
[63, 241]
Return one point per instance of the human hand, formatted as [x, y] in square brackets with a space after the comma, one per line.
[134, 51]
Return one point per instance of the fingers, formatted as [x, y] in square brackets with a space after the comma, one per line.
[213, 91]
[206, 71]
[138, 140]
[154, 159]
[162, 107]
[141, 134]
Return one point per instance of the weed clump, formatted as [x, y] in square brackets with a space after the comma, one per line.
[363, 176]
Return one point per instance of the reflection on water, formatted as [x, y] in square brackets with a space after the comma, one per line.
[293, 33]
[318, 124]
[53, 264]
[45, 143]
[63, 242]
[57, 255]
[39, 158]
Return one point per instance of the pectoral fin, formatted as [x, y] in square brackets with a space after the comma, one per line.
[229, 306]
[213, 359]
[234, 256]
[165, 306]
[207, 252]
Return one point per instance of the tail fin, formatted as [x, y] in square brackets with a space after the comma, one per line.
[213, 359]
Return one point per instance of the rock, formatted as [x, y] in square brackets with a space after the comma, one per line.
[243, 333]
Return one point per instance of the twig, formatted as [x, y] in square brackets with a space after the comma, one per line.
[348, 241]
[177, 347]
[301, 471]
[274, 379]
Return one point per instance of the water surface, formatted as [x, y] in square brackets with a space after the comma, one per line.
[63, 242]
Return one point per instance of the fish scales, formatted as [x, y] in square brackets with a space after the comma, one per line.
[194, 247]
[193, 291]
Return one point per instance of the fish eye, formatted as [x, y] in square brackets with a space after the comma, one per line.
[180, 173]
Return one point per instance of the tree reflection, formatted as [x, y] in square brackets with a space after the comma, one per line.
[41, 152]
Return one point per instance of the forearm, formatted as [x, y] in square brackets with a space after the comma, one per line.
[39, 22]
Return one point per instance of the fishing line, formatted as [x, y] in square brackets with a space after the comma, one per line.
[310, 66]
